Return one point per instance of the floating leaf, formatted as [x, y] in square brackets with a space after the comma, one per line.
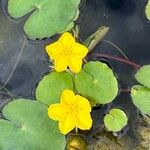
[52, 85]
[115, 120]
[47, 18]
[141, 98]
[97, 82]
[147, 10]
[143, 76]
[28, 127]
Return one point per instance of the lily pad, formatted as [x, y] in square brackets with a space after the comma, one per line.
[115, 120]
[143, 76]
[47, 17]
[50, 88]
[28, 127]
[141, 98]
[97, 82]
[147, 10]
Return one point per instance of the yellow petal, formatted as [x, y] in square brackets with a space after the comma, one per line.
[75, 64]
[84, 121]
[83, 103]
[79, 50]
[60, 64]
[67, 124]
[67, 40]
[57, 112]
[54, 50]
[68, 97]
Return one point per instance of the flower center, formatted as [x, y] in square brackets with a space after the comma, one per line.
[73, 109]
[67, 52]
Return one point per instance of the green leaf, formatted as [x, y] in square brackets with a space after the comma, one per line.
[147, 10]
[143, 76]
[47, 17]
[28, 127]
[141, 98]
[115, 120]
[97, 82]
[50, 88]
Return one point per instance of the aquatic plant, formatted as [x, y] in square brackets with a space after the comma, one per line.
[46, 17]
[71, 89]
[72, 112]
[115, 120]
[141, 93]
[67, 53]
[147, 10]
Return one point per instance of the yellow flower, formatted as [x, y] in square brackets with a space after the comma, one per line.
[67, 53]
[72, 112]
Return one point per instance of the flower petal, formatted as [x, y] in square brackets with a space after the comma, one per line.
[79, 50]
[84, 121]
[67, 124]
[68, 97]
[83, 104]
[57, 112]
[60, 64]
[75, 64]
[67, 40]
[54, 50]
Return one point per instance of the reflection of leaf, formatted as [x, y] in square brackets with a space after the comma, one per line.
[29, 128]
[143, 75]
[97, 82]
[141, 98]
[147, 10]
[48, 17]
[115, 120]
[52, 85]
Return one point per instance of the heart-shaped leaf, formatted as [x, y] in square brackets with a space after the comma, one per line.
[115, 120]
[47, 18]
[143, 76]
[50, 88]
[28, 127]
[147, 10]
[97, 82]
[141, 98]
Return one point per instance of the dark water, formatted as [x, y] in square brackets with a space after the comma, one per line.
[129, 30]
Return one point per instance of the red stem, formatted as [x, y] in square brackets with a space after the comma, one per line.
[124, 90]
[137, 66]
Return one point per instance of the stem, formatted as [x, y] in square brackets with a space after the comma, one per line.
[16, 63]
[109, 42]
[95, 38]
[137, 66]
[9, 93]
[125, 90]
[76, 130]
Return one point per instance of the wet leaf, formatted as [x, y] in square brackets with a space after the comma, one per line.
[28, 127]
[97, 82]
[52, 85]
[147, 10]
[143, 76]
[141, 98]
[47, 17]
[115, 120]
